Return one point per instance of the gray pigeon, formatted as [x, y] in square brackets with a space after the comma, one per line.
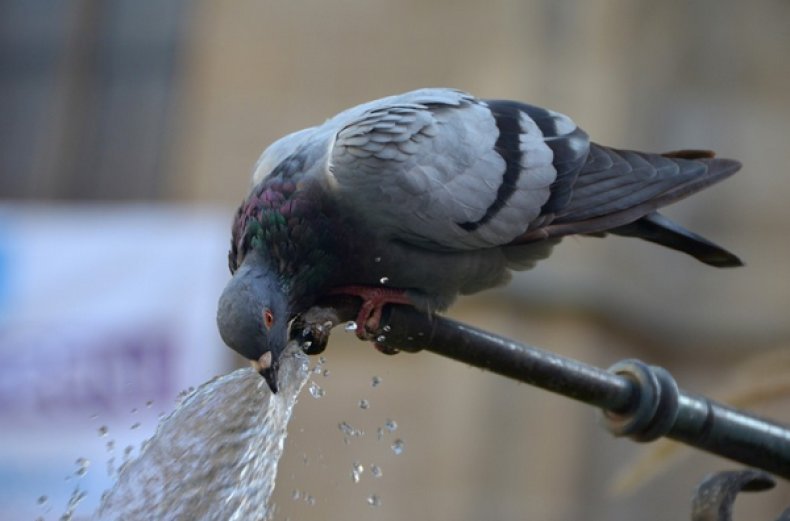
[423, 196]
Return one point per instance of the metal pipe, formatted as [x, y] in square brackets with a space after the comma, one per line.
[639, 401]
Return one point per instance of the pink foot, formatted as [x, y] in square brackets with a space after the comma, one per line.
[373, 301]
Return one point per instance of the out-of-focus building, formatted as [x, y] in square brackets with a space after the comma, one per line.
[111, 107]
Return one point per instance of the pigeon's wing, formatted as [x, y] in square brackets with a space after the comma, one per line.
[444, 170]
[616, 187]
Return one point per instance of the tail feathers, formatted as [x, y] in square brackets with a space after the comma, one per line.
[656, 228]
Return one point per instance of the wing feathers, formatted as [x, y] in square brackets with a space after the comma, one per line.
[632, 186]
[444, 170]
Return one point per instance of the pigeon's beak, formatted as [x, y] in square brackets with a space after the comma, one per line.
[267, 368]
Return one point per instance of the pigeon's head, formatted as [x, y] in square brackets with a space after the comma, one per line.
[253, 317]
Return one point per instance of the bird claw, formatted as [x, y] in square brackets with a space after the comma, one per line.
[368, 321]
[312, 328]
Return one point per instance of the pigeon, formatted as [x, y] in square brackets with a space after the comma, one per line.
[420, 197]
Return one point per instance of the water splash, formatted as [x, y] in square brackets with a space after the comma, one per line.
[216, 455]
[316, 391]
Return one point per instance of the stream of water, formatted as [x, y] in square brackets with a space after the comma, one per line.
[215, 456]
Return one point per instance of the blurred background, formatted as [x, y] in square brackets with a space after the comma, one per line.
[128, 130]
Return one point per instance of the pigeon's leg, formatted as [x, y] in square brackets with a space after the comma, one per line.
[373, 301]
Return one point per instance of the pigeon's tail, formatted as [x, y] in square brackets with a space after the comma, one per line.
[656, 228]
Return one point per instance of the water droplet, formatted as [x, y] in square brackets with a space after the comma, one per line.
[381, 338]
[41, 500]
[350, 326]
[307, 344]
[321, 360]
[410, 338]
[384, 280]
[379, 433]
[127, 451]
[149, 403]
[348, 430]
[110, 445]
[391, 425]
[377, 259]
[296, 495]
[315, 390]
[135, 425]
[310, 500]
[134, 410]
[387, 328]
[373, 500]
[103, 430]
[356, 472]
[375, 470]
[397, 446]
[364, 404]
[325, 373]
[76, 498]
[375, 381]
[82, 466]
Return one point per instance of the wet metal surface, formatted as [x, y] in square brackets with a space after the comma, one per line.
[640, 401]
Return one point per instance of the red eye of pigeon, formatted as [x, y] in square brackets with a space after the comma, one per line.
[268, 318]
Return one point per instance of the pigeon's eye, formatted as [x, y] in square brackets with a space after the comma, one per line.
[268, 318]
